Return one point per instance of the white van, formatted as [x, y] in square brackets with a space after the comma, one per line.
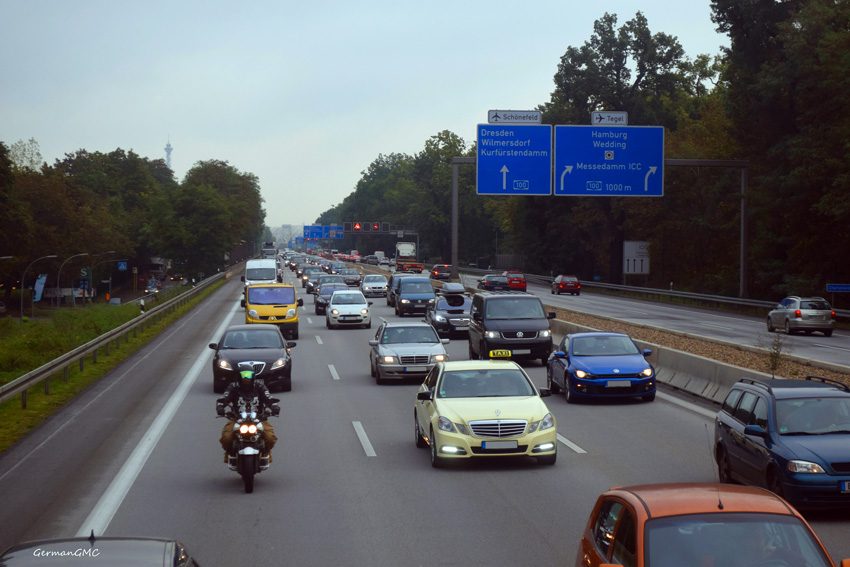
[261, 271]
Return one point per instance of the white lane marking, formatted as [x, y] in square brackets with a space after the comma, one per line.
[364, 439]
[570, 444]
[309, 320]
[118, 379]
[319, 340]
[334, 374]
[715, 325]
[687, 405]
[105, 509]
[831, 346]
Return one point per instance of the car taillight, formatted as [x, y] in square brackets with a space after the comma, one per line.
[832, 314]
[798, 314]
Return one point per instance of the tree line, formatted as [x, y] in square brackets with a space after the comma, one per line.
[775, 97]
[96, 202]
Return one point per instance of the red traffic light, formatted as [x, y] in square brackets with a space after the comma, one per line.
[376, 227]
[357, 227]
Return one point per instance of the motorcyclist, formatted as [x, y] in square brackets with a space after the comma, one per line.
[241, 396]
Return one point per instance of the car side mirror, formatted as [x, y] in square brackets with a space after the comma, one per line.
[647, 352]
[559, 354]
[425, 396]
[243, 278]
[291, 344]
[551, 315]
[369, 302]
[845, 563]
[213, 346]
[300, 302]
[476, 316]
[755, 431]
[545, 392]
[373, 342]
[242, 303]
[445, 341]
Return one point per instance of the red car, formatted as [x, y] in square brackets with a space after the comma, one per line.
[516, 280]
[566, 284]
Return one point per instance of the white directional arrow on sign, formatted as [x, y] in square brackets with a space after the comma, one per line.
[646, 178]
[504, 171]
[567, 169]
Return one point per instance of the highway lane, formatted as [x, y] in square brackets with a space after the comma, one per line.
[326, 500]
[714, 325]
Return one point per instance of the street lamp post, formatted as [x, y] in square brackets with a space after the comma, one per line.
[59, 275]
[95, 264]
[24, 279]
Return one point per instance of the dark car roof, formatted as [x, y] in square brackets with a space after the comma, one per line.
[127, 551]
[786, 389]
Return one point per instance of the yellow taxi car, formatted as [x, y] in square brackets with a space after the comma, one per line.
[483, 408]
[273, 303]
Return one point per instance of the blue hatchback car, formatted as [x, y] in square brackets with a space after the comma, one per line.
[791, 436]
[600, 365]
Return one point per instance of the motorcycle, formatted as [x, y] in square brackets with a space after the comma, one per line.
[248, 445]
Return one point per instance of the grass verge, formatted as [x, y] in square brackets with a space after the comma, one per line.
[16, 422]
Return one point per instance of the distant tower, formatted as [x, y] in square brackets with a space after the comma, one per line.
[168, 150]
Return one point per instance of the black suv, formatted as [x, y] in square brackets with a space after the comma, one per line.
[509, 324]
[791, 436]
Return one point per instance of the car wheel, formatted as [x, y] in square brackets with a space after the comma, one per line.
[218, 387]
[774, 482]
[328, 323]
[724, 474]
[287, 385]
[420, 442]
[548, 459]
[554, 388]
[552, 291]
[295, 335]
[827, 333]
[368, 325]
[568, 395]
[379, 380]
[648, 397]
[482, 352]
[471, 353]
[788, 330]
[436, 461]
[770, 327]
[578, 293]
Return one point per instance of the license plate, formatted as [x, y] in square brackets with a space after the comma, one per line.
[522, 351]
[461, 327]
[501, 353]
[415, 368]
[618, 383]
[845, 486]
[498, 445]
[348, 317]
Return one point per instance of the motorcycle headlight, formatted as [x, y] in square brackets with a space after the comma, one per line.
[290, 314]
[225, 365]
[804, 467]
[646, 372]
[546, 333]
[278, 363]
[581, 374]
[445, 424]
[439, 358]
[252, 313]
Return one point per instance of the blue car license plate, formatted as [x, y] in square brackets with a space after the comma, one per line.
[498, 444]
[845, 486]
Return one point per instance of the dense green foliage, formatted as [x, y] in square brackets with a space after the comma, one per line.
[94, 202]
[775, 97]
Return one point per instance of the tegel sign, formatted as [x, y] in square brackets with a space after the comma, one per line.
[514, 159]
[609, 161]
[514, 116]
[609, 118]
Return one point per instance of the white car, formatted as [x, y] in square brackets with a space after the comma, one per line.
[348, 308]
[374, 285]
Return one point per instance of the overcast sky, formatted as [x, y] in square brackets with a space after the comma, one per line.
[305, 95]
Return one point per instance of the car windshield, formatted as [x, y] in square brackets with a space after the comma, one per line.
[416, 287]
[348, 299]
[730, 539]
[260, 338]
[349, 272]
[419, 334]
[496, 279]
[271, 295]
[327, 290]
[484, 383]
[331, 279]
[515, 308]
[258, 274]
[603, 346]
[375, 279]
[813, 416]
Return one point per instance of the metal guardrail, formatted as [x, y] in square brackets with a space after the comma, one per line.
[63, 363]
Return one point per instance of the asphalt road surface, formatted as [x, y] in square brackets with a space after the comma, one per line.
[138, 454]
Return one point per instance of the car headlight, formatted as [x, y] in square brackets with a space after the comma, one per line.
[430, 302]
[364, 311]
[646, 372]
[548, 422]
[439, 358]
[405, 301]
[252, 313]
[546, 333]
[804, 467]
[334, 312]
[461, 428]
[445, 424]
[278, 363]
[439, 319]
[581, 374]
[225, 365]
[305, 278]
[492, 334]
[389, 359]
[290, 314]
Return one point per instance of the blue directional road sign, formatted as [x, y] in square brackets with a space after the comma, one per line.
[514, 159]
[332, 231]
[312, 231]
[838, 287]
[609, 161]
